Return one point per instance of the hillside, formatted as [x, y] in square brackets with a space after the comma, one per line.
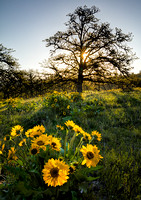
[116, 115]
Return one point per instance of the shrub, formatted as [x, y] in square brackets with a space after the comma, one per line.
[57, 103]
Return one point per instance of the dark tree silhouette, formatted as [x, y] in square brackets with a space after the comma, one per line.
[88, 50]
[6, 58]
[8, 65]
[15, 82]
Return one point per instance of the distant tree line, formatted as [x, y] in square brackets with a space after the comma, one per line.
[15, 82]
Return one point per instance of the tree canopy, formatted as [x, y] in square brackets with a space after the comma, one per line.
[8, 64]
[15, 82]
[88, 50]
[7, 61]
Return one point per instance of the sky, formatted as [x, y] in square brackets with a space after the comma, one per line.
[24, 24]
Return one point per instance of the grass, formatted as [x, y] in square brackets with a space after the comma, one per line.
[115, 114]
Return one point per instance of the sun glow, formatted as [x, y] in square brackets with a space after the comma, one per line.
[84, 55]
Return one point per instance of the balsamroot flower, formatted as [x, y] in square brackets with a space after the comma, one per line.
[41, 141]
[97, 134]
[36, 131]
[16, 130]
[55, 144]
[91, 155]
[11, 154]
[60, 127]
[22, 142]
[28, 132]
[2, 148]
[78, 129]
[87, 136]
[70, 124]
[55, 172]
[34, 149]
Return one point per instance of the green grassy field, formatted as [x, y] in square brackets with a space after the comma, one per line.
[114, 114]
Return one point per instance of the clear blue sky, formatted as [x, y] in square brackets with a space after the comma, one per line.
[25, 23]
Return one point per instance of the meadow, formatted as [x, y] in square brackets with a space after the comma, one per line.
[112, 117]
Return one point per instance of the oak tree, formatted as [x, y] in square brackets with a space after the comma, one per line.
[88, 50]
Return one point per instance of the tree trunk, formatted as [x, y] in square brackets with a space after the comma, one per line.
[80, 79]
[79, 86]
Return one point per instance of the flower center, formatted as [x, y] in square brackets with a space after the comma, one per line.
[40, 143]
[71, 170]
[34, 151]
[7, 138]
[53, 144]
[90, 155]
[54, 172]
[17, 132]
[36, 135]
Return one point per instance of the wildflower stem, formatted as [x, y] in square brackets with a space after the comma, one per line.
[78, 147]
[91, 140]
[65, 142]
[72, 139]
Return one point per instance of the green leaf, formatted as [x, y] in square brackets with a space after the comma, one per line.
[92, 178]
[80, 176]
[96, 168]
[62, 151]
[87, 170]
[66, 118]
[34, 171]
[20, 162]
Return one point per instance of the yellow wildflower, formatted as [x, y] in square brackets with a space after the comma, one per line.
[55, 172]
[60, 127]
[34, 149]
[87, 136]
[91, 155]
[22, 142]
[78, 129]
[55, 144]
[41, 141]
[2, 148]
[36, 131]
[28, 132]
[70, 123]
[68, 107]
[64, 113]
[11, 154]
[97, 134]
[16, 130]
[55, 100]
